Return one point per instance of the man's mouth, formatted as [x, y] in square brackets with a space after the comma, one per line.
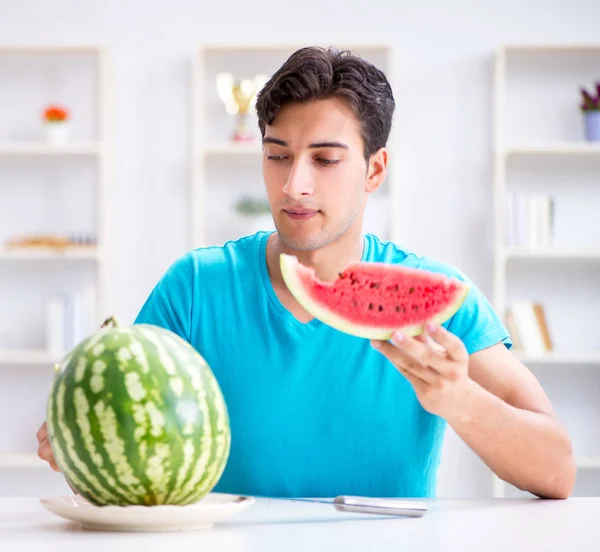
[300, 214]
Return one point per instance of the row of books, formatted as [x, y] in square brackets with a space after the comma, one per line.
[529, 221]
[70, 318]
[527, 324]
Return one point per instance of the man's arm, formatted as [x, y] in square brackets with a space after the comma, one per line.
[494, 404]
[509, 422]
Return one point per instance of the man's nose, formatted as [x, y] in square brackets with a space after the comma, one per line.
[300, 181]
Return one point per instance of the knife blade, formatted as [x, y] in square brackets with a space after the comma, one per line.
[369, 505]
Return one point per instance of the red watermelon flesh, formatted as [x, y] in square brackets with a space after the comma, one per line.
[372, 300]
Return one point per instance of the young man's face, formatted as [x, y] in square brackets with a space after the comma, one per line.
[316, 176]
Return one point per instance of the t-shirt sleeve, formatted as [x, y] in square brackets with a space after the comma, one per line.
[170, 303]
[476, 322]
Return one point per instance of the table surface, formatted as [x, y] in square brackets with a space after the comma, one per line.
[280, 525]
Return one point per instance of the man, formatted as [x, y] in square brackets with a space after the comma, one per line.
[316, 412]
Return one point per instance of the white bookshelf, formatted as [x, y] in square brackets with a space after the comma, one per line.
[22, 460]
[75, 178]
[562, 359]
[558, 254]
[34, 254]
[539, 146]
[574, 149]
[225, 148]
[222, 171]
[588, 462]
[41, 149]
[29, 357]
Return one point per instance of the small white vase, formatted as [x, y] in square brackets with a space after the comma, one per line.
[57, 133]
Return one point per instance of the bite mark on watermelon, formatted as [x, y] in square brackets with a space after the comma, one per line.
[373, 300]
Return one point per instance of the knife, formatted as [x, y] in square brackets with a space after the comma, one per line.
[368, 505]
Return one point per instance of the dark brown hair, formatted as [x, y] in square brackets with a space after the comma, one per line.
[314, 73]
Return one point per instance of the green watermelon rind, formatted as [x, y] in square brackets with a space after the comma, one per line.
[75, 458]
[289, 265]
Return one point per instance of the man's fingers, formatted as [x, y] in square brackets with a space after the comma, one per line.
[44, 449]
[454, 346]
[47, 456]
[417, 383]
[42, 432]
[427, 340]
[423, 349]
[407, 364]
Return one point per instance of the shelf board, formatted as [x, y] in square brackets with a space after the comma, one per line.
[283, 46]
[558, 254]
[229, 148]
[31, 357]
[42, 149]
[592, 358]
[589, 462]
[50, 49]
[566, 148]
[566, 47]
[22, 460]
[42, 254]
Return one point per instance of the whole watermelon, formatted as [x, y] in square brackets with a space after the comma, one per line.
[136, 416]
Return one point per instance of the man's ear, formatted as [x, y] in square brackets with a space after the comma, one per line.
[377, 170]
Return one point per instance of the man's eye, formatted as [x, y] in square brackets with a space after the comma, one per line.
[275, 157]
[324, 161]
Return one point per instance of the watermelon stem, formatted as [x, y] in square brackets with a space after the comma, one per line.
[110, 321]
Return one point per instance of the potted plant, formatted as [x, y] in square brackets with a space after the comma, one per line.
[258, 211]
[590, 107]
[56, 124]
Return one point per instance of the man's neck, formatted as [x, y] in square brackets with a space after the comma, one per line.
[327, 262]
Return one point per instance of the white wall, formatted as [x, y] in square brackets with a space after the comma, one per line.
[443, 119]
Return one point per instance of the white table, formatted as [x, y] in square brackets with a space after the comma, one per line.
[505, 525]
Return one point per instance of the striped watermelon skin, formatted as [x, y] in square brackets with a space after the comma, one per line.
[136, 416]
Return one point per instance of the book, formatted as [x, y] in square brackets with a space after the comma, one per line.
[527, 324]
[529, 220]
[70, 318]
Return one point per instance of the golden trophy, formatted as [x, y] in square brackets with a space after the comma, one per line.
[238, 96]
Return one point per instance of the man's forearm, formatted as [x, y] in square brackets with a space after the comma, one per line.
[528, 449]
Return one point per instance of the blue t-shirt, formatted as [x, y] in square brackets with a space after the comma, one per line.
[313, 411]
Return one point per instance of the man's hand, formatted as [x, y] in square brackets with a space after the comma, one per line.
[438, 370]
[494, 404]
[44, 450]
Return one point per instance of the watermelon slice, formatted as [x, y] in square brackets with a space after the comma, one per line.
[372, 300]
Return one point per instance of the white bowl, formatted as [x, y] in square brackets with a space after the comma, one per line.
[200, 515]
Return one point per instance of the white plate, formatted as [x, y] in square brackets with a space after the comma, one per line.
[201, 515]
